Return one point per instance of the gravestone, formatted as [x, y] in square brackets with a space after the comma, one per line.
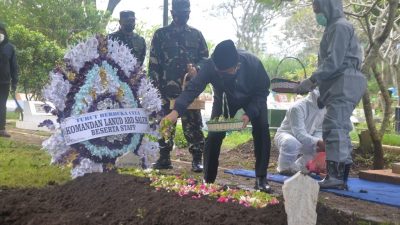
[396, 168]
[300, 193]
[128, 160]
[34, 114]
[366, 146]
[275, 118]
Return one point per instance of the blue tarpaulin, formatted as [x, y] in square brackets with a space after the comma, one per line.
[377, 192]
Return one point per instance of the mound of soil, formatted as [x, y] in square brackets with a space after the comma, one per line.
[111, 198]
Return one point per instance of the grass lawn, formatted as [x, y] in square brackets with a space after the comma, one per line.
[24, 166]
[388, 138]
[236, 138]
[12, 116]
[231, 140]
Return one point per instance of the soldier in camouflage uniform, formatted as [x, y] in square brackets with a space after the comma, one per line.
[126, 35]
[174, 47]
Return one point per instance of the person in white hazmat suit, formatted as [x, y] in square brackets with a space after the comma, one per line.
[300, 133]
[341, 85]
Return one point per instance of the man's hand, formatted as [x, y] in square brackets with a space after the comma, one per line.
[305, 86]
[320, 146]
[191, 70]
[245, 120]
[172, 116]
[167, 127]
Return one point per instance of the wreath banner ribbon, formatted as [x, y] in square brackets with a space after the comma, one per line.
[102, 123]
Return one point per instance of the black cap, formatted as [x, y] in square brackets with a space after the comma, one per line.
[225, 55]
[181, 5]
[126, 14]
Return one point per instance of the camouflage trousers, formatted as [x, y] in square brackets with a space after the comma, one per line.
[192, 130]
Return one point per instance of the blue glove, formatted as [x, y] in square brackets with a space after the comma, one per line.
[305, 86]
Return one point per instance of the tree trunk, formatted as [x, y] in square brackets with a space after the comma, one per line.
[386, 100]
[370, 60]
[111, 5]
[376, 139]
[378, 154]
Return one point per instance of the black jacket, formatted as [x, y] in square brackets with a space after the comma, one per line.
[247, 89]
[8, 63]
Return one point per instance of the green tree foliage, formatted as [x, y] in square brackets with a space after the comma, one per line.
[64, 21]
[251, 20]
[302, 29]
[36, 56]
[289, 68]
[377, 24]
[147, 34]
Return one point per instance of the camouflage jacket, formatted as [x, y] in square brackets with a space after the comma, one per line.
[135, 42]
[172, 48]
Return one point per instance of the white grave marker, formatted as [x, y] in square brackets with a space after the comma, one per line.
[34, 114]
[128, 160]
[300, 193]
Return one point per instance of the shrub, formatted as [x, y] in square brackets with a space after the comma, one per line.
[180, 140]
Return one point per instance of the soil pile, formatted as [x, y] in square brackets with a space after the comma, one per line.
[111, 198]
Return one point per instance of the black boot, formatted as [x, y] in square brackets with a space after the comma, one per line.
[164, 162]
[347, 168]
[197, 166]
[335, 177]
[262, 184]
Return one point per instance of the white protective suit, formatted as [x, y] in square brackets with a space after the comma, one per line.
[340, 81]
[299, 133]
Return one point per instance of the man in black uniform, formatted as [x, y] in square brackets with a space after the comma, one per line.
[239, 81]
[8, 75]
[126, 36]
[173, 48]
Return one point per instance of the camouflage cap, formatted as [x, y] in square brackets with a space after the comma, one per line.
[181, 5]
[126, 14]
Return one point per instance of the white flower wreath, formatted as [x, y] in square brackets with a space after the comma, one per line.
[100, 73]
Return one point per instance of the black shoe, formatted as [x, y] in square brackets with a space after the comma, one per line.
[197, 167]
[162, 164]
[262, 185]
[205, 181]
[197, 154]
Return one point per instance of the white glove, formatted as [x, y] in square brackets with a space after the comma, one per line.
[305, 86]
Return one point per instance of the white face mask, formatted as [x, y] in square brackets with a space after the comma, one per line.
[1, 38]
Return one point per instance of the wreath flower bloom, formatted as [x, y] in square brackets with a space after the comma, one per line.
[100, 74]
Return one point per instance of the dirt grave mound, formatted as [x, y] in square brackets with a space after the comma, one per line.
[111, 198]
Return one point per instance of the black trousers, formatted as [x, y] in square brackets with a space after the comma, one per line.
[262, 147]
[4, 90]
